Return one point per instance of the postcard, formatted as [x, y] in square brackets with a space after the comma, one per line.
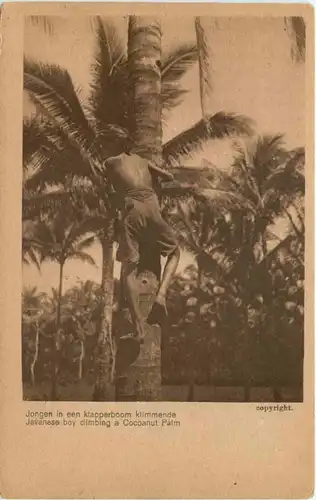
[157, 274]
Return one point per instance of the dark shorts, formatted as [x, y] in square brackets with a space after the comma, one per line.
[143, 225]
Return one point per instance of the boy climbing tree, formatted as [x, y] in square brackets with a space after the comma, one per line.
[133, 179]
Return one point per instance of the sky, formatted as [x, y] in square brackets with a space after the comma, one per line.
[252, 74]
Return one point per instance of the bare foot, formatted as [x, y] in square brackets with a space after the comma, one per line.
[128, 351]
[158, 314]
[138, 335]
[131, 337]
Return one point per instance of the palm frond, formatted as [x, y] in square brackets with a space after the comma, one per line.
[80, 229]
[254, 163]
[44, 22]
[299, 231]
[218, 126]
[299, 206]
[37, 242]
[174, 65]
[204, 66]
[53, 159]
[109, 88]
[83, 257]
[91, 200]
[243, 170]
[86, 244]
[298, 158]
[269, 150]
[51, 87]
[287, 181]
[221, 201]
[35, 142]
[34, 204]
[30, 253]
[296, 29]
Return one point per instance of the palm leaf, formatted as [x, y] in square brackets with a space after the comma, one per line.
[44, 22]
[174, 66]
[35, 142]
[222, 201]
[296, 30]
[244, 172]
[54, 159]
[300, 232]
[86, 244]
[51, 87]
[83, 257]
[30, 252]
[92, 224]
[34, 204]
[37, 242]
[254, 163]
[194, 139]
[286, 182]
[204, 67]
[109, 88]
[269, 152]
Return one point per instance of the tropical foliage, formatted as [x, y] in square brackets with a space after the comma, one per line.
[236, 314]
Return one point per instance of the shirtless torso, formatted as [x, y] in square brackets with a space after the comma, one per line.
[130, 173]
[133, 177]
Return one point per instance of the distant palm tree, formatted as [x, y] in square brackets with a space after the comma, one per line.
[62, 238]
[229, 236]
[33, 308]
[271, 178]
[82, 302]
[32, 298]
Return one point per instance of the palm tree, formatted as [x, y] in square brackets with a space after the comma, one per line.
[32, 310]
[82, 313]
[62, 238]
[68, 139]
[78, 138]
[270, 178]
[230, 236]
[29, 246]
[199, 226]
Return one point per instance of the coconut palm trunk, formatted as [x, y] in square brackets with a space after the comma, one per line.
[36, 352]
[81, 358]
[106, 347]
[202, 42]
[144, 55]
[196, 327]
[142, 380]
[56, 348]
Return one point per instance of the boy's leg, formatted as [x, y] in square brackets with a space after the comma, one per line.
[129, 275]
[128, 254]
[168, 273]
[158, 313]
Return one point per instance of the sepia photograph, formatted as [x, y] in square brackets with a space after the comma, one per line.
[163, 220]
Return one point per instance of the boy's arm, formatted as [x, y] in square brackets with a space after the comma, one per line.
[161, 172]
